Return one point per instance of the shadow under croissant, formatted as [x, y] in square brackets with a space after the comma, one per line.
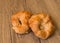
[21, 35]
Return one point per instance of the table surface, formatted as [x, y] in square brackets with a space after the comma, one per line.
[10, 7]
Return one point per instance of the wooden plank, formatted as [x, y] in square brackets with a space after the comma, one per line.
[5, 33]
[10, 7]
[0, 27]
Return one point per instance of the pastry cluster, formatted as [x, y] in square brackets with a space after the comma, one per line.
[40, 24]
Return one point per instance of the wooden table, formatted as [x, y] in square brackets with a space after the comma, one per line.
[10, 7]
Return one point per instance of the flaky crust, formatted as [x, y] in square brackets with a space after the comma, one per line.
[41, 25]
[20, 22]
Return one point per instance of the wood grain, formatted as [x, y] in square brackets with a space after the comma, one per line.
[10, 7]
